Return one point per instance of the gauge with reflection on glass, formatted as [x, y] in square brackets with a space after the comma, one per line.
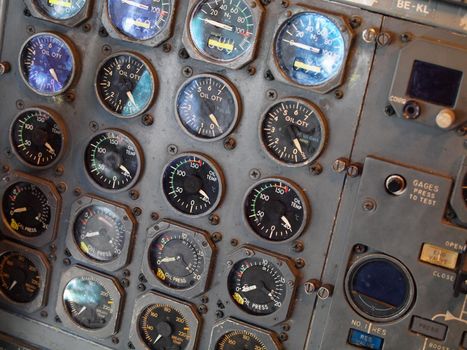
[65, 12]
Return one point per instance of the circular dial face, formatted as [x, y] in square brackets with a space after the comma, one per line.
[223, 30]
[257, 286]
[310, 49]
[464, 189]
[240, 340]
[37, 138]
[163, 327]
[88, 303]
[176, 259]
[207, 107]
[192, 185]
[125, 85]
[20, 278]
[100, 233]
[293, 132]
[61, 9]
[276, 210]
[26, 209]
[47, 64]
[113, 160]
[140, 19]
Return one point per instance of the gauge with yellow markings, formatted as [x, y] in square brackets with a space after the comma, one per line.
[69, 13]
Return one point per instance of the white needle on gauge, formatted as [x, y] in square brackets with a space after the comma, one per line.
[168, 259]
[20, 210]
[218, 24]
[82, 310]
[13, 285]
[249, 288]
[214, 120]
[100, 218]
[132, 99]
[303, 46]
[297, 145]
[49, 148]
[286, 222]
[157, 339]
[53, 74]
[204, 194]
[92, 234]
[135, 4]
[124, 170]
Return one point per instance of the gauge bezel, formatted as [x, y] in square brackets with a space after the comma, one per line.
[222, 328]
[57, 119]
[356, 264]
[347, 34]
[284, 264]
[150, 69]
[321, 121]
[81, 16]
[110, 284]
[457, 199]
[139, 155]
[188, 311]
[220, 178]
[55, 203]
[157, 40]
[230, 87]
[74, 56]
[257, 12]
[127, 219]
[205, 244]
[42, 264]
[307, 213]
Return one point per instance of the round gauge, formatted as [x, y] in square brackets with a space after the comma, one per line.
[240, 340]
[20, 278]
[47, 63]
[207, 107]
[223, 30]
[310, 49]
[140, 19]
[88, 303]
[257, 286]
[126, 84]
[113, 160]
[26, 209]
[193, 184]
[276, 210]
[37, 137]
[100, 233]
[164, 327]
[293, 132]
[380, 288]
[176, 259]
[61, 9]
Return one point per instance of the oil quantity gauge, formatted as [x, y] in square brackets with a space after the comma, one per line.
[126, 84]
[61, 9]
[193, 184]
[208, 107]
[37, 137]
[113, 160]
[293, 132]
[48, 63]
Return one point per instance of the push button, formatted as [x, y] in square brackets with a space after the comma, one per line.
[365, 340]
[438, 256]
[428, 328]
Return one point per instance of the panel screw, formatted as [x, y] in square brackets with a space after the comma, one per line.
[230, 143]
[20, 104]
[216, 237]
[325, 291]
[141, 287]
[44, 314]
[354, 170]
[30, 29]
[285, 327]
[187, 71]
[299, 263]
[115, 340]
[219, 314]
[125, 282]
[283, 337]
[340, 165]
[5, 168]
[285, 3]
[251, 70]
[384, 39]
[142, 278]
[369, 35]
[268, 75]
[234, 242]
[203, 309]
[311, 286]
[166, 47]
[66, 262]
[355, 22]
[59, 170]
[205, 299]
[338, 94]
[147, 120]
[93, 126]
[255, 174]
[126, 273]
[369, 205]
[315, 169]
[172, 150]
[103, 32]
[130, 345]
[154, 216]
[271, 94]
[106, 49]
[26, 12]
[134, 194]
[67, 252]
[183, 53]
[4, 68]
[298, 246]
[214, 219]
[359, 248]
[61, 187]
[137, 211]
[77, 192]
[52, 257]
[86, 27]
[406, 37]
[57, 319]
[70, 96]
[389, 110]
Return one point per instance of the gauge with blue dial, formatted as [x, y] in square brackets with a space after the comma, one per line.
[48, 63]
[223, 30]
[310, 49]
[140, 19]
[61, 9]
[126, 84]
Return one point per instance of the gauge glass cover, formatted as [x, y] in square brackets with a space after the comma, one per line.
[236, 340]
[61, 9]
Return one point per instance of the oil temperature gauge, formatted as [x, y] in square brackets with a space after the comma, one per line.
[48, 63]
[126, 84]
[193, 184]
[207, 107]
[113, 160]
[276, 209]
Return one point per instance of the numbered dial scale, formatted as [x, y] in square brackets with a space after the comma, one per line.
[48, 63]
[193, 184]
[126, 84]
[61, 10]
[293, 132]
[207, 107]
[38, 137]
[113, 160]
[276, 209]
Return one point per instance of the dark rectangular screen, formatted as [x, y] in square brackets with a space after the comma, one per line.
[435, 84]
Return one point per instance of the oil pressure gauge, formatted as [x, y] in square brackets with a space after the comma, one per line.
[126, 84]
[193, 184]
[207, 107]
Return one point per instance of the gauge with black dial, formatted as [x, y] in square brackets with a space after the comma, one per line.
[37, 137]
[207, 107]
[113, 160]
[48, 63]
[239, 340]
[61, 9]
[193, 184]
[293, 132]
[276, 209]
[126, 84]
